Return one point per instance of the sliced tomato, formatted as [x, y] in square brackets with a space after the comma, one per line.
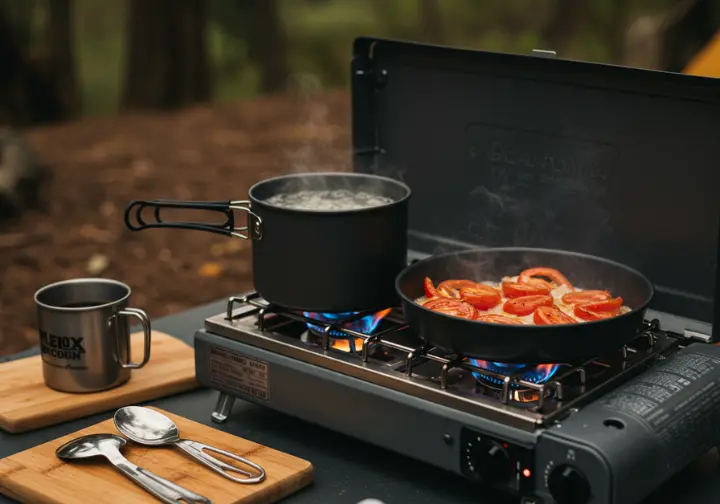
[515, 289]
[448, 292]
[584, 313]
[551, 315]
[535, 281]
[441, 302]
[456, 284]
[454, 307]
[430, 291]
[528, 276]
[499, 319]
[526, 305]
[608, 306]
[441, 290]
[588, 296]
[482, 297]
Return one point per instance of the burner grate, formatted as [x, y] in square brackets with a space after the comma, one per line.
[416, 356]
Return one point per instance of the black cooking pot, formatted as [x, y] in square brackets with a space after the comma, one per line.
[318, 260]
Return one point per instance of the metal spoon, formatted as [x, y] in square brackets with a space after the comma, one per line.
[148, 427]
[108, 446]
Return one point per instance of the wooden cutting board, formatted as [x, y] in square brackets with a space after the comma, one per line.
[37, 476]
[26, 403]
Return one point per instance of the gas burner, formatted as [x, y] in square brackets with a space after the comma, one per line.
[493, 381]
[396, 357]
[535, 374]
[340, 324]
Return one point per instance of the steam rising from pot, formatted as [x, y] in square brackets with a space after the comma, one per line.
[321, 139]
[530, 189]
[322, 152]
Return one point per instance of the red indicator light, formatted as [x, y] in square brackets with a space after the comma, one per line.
[505, 445]
[526, 472]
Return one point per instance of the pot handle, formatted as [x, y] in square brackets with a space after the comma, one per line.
[252, 230]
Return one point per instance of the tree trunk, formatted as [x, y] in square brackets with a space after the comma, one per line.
[267, 43]
[167, 63]
[61, 56]
[566, 19]
[28, 94]
[432, 28]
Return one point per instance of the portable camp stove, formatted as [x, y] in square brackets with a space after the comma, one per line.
[570, 431]
[529, 151]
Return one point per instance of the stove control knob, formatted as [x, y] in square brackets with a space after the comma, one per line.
[568, 485]
[490, 463]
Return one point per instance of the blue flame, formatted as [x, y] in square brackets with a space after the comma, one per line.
[535, 374]
[364, 325]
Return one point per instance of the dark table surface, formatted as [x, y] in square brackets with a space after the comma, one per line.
[346, 470]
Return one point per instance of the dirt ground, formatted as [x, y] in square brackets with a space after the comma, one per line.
[206, 153]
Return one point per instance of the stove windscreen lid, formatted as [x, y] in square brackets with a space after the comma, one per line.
[525, 150]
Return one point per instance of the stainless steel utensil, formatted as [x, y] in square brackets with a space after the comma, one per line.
[108, 446]
[148, 427]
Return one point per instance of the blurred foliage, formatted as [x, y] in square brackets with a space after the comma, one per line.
[320, 34]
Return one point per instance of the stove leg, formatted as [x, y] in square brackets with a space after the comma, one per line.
[223, 407]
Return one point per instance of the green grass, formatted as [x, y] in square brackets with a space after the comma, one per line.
[234, 76]
[100, 72]
[100, 54]
[320, 40]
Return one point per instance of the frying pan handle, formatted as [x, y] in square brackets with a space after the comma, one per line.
[252, 230]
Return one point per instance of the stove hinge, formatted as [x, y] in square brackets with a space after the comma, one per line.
[697, 336]
[544, 53]
[376, 77]
[367, 82]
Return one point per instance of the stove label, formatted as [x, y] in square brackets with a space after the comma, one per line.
[535, 183]
[654, 396]
[678, 400]
[239, 373]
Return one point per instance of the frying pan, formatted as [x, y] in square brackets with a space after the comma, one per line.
[527, 344]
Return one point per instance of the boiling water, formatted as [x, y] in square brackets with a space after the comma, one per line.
[324, 200]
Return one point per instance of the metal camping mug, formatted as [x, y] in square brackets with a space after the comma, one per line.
[85, 334]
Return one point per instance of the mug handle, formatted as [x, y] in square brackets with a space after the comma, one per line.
[145, 321]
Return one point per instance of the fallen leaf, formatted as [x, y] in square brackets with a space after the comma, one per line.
[227, 247]
[141, 167]
[97, 264]
[108, 209]
[31, 335]
[95, 234]
[189, 156]
[210, 270]
[165, 255]
[234, 245]
[139, 252]
[217, 250]
[182, 192]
